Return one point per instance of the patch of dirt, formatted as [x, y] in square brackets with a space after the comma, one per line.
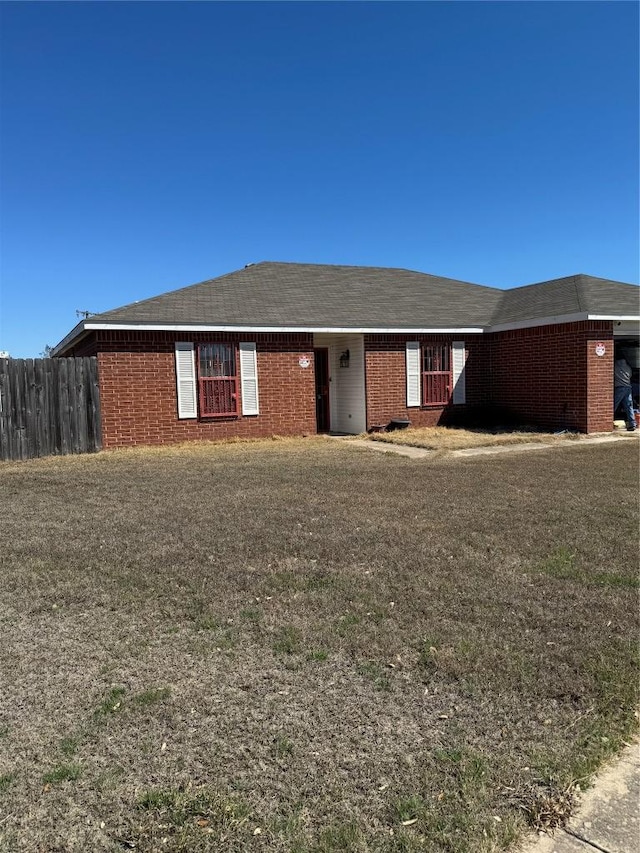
[450, 438]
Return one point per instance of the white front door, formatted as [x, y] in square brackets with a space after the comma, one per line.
[346, 377]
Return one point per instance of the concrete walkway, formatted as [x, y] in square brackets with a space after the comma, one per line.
[608, 816]
[422, 453]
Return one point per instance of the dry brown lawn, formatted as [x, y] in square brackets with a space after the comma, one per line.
[450, 438]
[302, 646]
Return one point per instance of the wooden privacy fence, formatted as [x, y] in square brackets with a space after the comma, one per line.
[48, 406]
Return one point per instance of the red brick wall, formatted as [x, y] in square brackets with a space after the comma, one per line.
[138, 389]
[600, 382]
[551, 375]
[386, 385]
[548, 376]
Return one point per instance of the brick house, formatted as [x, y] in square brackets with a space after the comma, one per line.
[296, 349]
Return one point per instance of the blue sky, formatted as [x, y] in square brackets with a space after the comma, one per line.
[147, 146]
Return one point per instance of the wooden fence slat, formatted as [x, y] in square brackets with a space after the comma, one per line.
[53, 420]
[12, 426]
[62, 397]
[80, 415]
[17, 377]
[42, 437]
[30, 408]
[81, 405]
[72, 413]
[94, 405]
[14, 423]
[5, 410]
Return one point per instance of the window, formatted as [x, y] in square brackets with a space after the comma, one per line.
[436, 374]
[217, 380]
[207, 381]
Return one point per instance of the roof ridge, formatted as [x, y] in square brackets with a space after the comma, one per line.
[581, 305]
[498, 308]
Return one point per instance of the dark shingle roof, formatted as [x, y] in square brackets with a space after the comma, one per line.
[576, 294]
[318, 296]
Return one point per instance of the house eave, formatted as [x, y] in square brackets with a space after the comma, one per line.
[558, 319]
[75, 334]
[85, 326]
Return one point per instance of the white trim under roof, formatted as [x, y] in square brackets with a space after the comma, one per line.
[333, 330]
[618, 319]
[87, 326]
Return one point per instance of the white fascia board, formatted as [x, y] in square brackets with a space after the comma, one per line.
[618, 318]
[338, 330]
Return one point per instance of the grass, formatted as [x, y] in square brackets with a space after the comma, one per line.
[346, 836]
[6, 781]
[282, 747]
[69, 745]
[62, 773]
[304, 647]
[408, 809]
[450, 438]
[288, 641]
[376, 673]
[187, 819]
[562, 564]
[111, 704]
[152, 696]
[318, 655]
